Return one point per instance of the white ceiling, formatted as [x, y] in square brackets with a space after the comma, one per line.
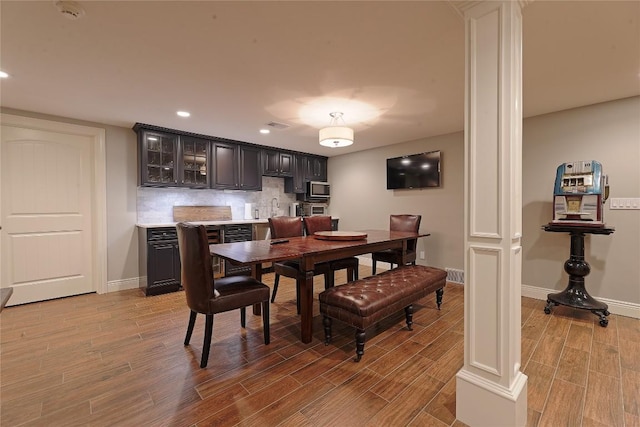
[395, 69]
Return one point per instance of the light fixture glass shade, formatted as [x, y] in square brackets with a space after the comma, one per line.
[336, 136]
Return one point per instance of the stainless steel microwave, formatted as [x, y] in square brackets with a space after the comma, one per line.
[318, 190]
[311, 209]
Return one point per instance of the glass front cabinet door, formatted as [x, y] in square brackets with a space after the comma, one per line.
[195, 162]
[158, 165]
[170, 160]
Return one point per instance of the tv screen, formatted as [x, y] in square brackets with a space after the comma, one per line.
[414, 171]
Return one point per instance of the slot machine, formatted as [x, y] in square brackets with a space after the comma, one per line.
[579, 194]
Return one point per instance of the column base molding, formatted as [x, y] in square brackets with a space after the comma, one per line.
[480, 402]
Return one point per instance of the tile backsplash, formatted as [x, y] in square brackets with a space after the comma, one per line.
[155, 205]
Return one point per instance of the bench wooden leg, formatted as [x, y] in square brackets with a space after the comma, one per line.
[360, 335]
[439, 293]
[326, 321]
[408, 312]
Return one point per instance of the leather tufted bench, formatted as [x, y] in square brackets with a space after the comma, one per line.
[364, 302]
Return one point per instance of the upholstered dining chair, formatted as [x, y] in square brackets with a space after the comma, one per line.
[208, 297]
[323, 223]
[291, 226]
[394, 256]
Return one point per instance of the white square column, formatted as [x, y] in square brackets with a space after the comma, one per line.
[490, 389]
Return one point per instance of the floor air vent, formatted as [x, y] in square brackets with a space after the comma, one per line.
[454, 275]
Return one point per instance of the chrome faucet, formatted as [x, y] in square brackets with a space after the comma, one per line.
[274, 209]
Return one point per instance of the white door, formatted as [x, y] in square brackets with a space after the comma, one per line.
[47, 186]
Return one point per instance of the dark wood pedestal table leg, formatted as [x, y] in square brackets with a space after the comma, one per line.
[575, 295]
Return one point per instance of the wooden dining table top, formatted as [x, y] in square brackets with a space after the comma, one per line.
[257, 251]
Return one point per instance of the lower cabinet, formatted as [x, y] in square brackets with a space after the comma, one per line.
[159, 259]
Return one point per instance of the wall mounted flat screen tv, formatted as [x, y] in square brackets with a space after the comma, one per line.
[414, 171]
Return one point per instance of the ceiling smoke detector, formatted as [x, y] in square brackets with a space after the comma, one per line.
[70, 9]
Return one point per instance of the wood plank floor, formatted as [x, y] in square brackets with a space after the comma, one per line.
[119, 359]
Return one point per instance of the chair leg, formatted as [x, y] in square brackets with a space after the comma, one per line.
[352, 274]
[276, 281]
[192, 323]
[265, 322]
[208, 332]
[297, 297]
[243, 317]
[329, 280]
[373, 266]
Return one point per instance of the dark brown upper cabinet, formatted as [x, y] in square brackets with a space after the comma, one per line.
[277, 163]
[174, 158]
[236, 167]
[315, 168]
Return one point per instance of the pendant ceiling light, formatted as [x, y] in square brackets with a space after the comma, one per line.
[336, 135]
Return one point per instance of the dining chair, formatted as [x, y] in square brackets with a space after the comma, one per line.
[209, 297]
[394, 256]
[291, 226]
[323, 223]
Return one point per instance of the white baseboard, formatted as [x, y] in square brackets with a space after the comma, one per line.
[121, 285]
[622, 308]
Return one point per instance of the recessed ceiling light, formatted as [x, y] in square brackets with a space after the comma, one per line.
[183, 113]
[265, 131]
[3, 75]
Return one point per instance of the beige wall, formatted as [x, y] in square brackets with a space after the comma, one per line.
[122, 244]
[608, 132]
[359, 196]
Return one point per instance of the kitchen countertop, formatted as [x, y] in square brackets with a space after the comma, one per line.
[228, 222]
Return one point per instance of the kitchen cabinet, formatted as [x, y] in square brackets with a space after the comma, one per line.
[315, 168]
[172, 160]
[277, 163]
[158, 152]
[236, 167]
[250, 171]
[193, 170]
[296, 184]
[159, 260]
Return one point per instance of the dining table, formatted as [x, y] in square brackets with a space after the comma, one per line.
[310, 250]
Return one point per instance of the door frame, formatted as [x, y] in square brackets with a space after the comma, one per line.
[98, 186]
